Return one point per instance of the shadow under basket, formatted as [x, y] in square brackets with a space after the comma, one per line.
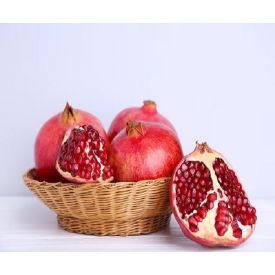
[118, 208]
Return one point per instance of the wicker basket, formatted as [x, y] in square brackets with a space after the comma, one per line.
[121, 208]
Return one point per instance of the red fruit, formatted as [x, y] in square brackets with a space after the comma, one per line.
[144, 151]
[50, 136]
[209, 201]
[148, 112]
[83, 157]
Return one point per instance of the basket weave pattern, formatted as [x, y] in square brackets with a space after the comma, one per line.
[122, 208]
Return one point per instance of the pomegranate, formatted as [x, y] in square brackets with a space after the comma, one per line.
[50, 136]
[209, 201]
[82, 157]
[148, 112]
[144, 150]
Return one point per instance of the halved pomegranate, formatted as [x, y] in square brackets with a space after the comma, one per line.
[209, 201]
[82, 157]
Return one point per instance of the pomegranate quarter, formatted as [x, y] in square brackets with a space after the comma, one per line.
[83, 157]
[209, 201]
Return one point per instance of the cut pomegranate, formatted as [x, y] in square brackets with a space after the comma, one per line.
[209, 201]
[83, 157]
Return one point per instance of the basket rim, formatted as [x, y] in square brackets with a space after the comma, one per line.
[28, 176]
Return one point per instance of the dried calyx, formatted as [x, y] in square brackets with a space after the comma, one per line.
[69, 116]
[149, 106]
[134, 128]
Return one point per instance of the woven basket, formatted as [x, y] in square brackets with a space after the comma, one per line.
[121, 208]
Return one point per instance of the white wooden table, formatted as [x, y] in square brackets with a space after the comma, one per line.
[27, 225]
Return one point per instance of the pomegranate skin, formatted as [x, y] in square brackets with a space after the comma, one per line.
[144, 151]
[147, 112]
[50, 137]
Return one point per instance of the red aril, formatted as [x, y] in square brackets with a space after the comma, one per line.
[143, 151]
[50, 136]
[83, 157]
[209, 201]
[148, 112]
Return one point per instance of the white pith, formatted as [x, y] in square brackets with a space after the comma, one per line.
[87, 150]
[207, 230]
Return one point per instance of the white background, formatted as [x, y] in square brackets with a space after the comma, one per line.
[214, 82]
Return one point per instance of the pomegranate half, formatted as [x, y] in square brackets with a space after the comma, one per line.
[50, 136]
[209, 201]
[143, 151]
[147, 112]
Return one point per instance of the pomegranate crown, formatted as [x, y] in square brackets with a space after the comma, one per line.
[135, 128]
[69, 115]
[149, 106]
[203, 147]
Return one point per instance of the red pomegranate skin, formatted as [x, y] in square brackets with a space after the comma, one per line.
[50, 136]
[147, 112]
[150, 153]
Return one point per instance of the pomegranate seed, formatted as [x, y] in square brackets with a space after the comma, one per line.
[217, 171]
[192, 221]
[202, 182]
[222, 218]
[201, 167]
[212, 197]
[206, 174]
[198, 217]
[183, 167]
[192, 171]
[198, 174]
[237, 233]
[220, 192]
[183, 190]
[186, 174]
[245, 201]
[193, 228]
[202, 212]
[239, 201]
[222, 204]
[210, 205]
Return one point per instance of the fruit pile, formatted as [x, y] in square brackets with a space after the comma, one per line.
[206, 196]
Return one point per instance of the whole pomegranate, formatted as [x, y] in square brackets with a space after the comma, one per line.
[209, 201]
[144, 150]
[82, 157]
[50, 136]
[148, 112]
